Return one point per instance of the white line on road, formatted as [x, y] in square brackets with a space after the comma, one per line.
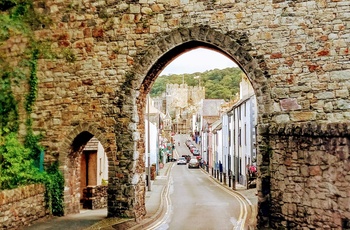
[242, 203]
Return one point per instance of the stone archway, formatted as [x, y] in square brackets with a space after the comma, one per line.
[283, 148]
[306, 98]
[233, 45]
[70, 162]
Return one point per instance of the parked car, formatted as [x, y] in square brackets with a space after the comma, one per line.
[193, 163]
[181, 161]
[196, 152]
[192, 149]
[187, 157]
[191, 146]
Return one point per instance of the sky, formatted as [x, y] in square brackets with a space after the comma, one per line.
[198, 60]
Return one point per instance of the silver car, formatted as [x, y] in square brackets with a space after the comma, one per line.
[181, 161]
[193, 163]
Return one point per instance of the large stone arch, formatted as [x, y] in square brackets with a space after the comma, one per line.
[298, 149]
[234, 45]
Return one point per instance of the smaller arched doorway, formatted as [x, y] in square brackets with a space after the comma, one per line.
[93, 175]
[86, 177]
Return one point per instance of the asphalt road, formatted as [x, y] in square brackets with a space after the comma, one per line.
[196, 202]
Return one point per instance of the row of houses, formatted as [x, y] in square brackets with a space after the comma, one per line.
[228, 144]
[226, 133]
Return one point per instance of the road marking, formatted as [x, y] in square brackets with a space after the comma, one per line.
[168, 207]
[243, 214]
[240, 222]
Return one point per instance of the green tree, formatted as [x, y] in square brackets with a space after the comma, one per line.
[219, 84]
[16, 166]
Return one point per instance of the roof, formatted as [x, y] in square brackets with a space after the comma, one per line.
[241, 101]
[217, 125]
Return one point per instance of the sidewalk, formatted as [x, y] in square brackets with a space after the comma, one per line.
[155, 205]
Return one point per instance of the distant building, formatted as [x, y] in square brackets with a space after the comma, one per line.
[210, 111]
[93, 173]
[180, 102]
[216, 143]
[94, 164]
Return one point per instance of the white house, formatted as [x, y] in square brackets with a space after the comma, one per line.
[242, 121]
[216, 144]
[93, 166]
[152, 123]
[210, 111]
[153, 150]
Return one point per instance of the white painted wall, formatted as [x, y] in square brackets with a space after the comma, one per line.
[153, 143]
[219, 148]
[225, 142]
[102, 164]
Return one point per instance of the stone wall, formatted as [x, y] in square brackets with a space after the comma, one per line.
[21, 206]
[309, 174]
[295, 54]
[95, 197]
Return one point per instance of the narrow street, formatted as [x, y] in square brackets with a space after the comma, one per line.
[196, 202]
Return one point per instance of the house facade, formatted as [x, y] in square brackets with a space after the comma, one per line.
[242, 129]
[209, 112]
[229, 143]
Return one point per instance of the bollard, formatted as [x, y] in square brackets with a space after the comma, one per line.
[229, 180]
[224, 178]
[247, 181]
[233, 182]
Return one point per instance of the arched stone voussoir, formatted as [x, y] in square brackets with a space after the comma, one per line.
[92, 128]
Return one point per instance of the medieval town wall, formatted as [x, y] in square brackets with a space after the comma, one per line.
[295, 54]
[22, 206]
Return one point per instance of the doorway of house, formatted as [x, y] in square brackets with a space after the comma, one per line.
[93, 176]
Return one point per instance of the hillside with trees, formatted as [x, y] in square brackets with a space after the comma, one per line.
[218, 83]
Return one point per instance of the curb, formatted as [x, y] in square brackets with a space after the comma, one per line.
[228, 188]
[234, 191]
[162, 207]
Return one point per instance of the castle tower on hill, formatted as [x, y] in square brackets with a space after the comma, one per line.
[182, 101]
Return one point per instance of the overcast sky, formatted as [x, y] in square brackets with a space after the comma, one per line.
[198, 60]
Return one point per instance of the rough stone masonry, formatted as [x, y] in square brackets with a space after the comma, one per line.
[295, 53]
